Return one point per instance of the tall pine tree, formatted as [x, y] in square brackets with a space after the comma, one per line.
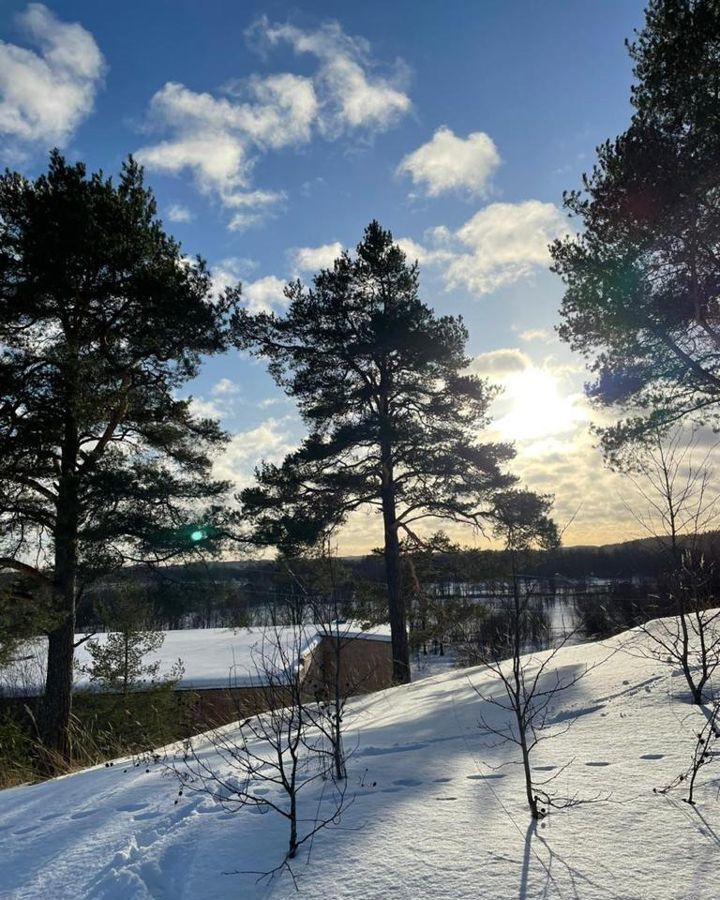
[642, 297]
[392, 413]
[102, 320]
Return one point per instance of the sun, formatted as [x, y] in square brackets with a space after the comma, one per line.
[536, 407]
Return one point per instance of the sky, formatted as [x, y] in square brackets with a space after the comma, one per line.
[272, 133]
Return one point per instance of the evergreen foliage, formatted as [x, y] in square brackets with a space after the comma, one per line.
[642, 282]
[118, 662]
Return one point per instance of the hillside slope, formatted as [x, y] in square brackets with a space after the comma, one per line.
[432, 815]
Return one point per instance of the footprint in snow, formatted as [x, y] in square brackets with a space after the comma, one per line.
[486, 777]
[441, 780]
[131, 807]
[408, 782]
[396, 748]
[597, 763]
[544, 768]
[446, 798]
[26, 830]
[85, 814]
[143, 817]
[653, 756]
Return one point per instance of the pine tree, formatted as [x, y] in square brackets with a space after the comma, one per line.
[392, 412]
[102, 320]
[118, 661]
[642, 297]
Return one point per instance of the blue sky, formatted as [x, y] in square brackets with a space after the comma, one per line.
[272, 133]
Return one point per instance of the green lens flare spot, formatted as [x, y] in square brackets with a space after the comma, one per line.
[197, 535]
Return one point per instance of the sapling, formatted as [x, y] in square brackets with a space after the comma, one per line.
[530, 684]
[334, 622]
[268, 762]
[119, 663]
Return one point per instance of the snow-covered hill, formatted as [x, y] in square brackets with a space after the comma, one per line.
[436, 811]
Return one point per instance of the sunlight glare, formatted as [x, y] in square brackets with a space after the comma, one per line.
[536, 408]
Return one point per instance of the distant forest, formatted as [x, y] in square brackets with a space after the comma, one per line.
[215, 593]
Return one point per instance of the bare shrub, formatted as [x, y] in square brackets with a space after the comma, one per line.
[269, 762]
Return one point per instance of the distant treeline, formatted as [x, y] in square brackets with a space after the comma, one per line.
[244, 592]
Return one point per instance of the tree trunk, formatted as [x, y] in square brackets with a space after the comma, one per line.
[338, 751]
[531, 799]
[519, 698]
[293, 844]
[57, 701]
[396, 601]
[126, 664]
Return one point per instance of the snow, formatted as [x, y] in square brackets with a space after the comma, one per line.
[438, 806]
[211, 657]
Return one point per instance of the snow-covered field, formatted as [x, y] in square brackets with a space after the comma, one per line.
[438, 807]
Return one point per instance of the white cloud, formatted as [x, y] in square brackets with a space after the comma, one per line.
[415, 252]
[215, 138]
[205, 409]
[46, 93]
[270, 440]
[263, 294]
[451, 163]
[570, 467]
[260, 295]
[503, 243]
[499, 363]
[225, 388]
[351, 94]
[226, 274]
[225, 397]
[310, 259]
[255, 206]
[219, 137]
[536, 334]
[270, 401]
[543, 410]
[179, 213]
[425, 256]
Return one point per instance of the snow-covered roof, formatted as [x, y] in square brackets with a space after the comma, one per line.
[211, 657]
